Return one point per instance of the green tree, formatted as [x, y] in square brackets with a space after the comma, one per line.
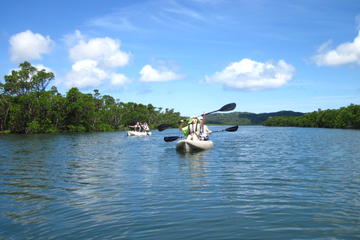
[345, 117]
[27, 107]
[27, 79]
[80, 109]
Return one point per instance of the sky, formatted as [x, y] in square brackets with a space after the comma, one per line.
[192, 56]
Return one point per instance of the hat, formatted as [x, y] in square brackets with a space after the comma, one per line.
[200, 118]
[191, 119]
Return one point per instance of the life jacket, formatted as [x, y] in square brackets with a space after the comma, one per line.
[203, 133]
[137, 128]
[194, 129]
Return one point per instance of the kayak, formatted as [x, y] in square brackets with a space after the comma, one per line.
[138, 134]
[190, 145]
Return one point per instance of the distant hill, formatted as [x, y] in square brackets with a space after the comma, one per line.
[246, 118]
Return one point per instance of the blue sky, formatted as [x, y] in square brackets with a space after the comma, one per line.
[193, 55]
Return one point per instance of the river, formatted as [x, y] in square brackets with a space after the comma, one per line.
[256, 183]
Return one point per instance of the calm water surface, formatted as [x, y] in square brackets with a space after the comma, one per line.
[257, 183]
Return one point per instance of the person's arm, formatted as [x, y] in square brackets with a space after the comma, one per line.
[181, 124]
[207, 129]
[202, 123]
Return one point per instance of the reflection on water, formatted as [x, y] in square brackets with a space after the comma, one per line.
[194, 163]
[257, 183]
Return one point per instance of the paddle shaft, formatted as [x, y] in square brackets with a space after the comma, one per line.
[229, 129]
[225, 108]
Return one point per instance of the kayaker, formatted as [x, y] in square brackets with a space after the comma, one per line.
[136, 127]
[192, 130]
[145, 127]
[204, 130]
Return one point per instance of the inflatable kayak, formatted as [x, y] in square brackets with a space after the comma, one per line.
[190, 145]
[138, 134]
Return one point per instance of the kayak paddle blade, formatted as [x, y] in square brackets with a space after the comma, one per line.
[232, 129]
[225, 108]
[170, 139]
[228, 107]
[162, 127]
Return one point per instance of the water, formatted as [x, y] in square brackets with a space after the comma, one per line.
[257, 183]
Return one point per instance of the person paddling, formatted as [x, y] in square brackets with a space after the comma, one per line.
[204, 130]
[192, 130]
[136, 127]
[145, 127]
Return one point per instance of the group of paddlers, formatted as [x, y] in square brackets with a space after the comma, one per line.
[140, 127]
[195, 128]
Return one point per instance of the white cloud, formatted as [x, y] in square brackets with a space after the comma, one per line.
[73, 38]
[95, 61]
[345, 53]
[28, 45]
[251, 75]
[106, 51]
[42, 67]
[119, 79]
[150, 74]
[85, 74]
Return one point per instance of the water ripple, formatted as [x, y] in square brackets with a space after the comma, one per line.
[257, 183]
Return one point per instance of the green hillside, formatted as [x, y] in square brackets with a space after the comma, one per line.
[245, 118]
[345, 117]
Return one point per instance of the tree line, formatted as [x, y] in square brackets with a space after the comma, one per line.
[246, 118]
[227, 119]
[345, 117]
[26, 106]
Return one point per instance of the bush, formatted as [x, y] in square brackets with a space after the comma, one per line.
[79, 128]
[33, 127]
[103, 127]
[51, 129]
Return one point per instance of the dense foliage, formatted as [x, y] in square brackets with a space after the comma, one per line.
[244, 118]
[345, 117]
[27, 107]
[227, 119]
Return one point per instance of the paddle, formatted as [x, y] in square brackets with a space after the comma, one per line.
[225, 108]
[229, 129]
[172, 138]
[162, 127]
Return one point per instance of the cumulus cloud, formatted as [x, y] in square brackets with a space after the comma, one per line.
[345, 53]
[73, 38]
[119, 79]
[95, 61]
[28, 45]
[105, 51]
[85, 74]
[251, 75]
[150, 74]
[41, 67]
